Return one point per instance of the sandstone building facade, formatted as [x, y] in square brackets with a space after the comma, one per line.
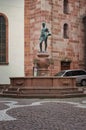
[66, 20]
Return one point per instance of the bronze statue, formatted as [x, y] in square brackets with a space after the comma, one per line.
[43, 37]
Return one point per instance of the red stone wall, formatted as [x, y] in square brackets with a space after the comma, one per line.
[51, 11]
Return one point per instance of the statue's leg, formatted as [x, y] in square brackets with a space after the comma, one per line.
[40, 46]
[45, 44]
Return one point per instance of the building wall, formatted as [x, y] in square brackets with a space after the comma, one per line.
[14, 10]
[59, 48]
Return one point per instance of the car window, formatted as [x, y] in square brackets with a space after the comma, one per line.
[78, 72]
[74, 73]
[68, 73]
[82, 72]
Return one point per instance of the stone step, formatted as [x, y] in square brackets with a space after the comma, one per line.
[48, 91]
[41, 92]
[3, 88]
[10, 92]
[43, 95]
[8, 95]
[41, 88]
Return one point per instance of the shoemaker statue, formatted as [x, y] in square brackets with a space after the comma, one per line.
[44, 36]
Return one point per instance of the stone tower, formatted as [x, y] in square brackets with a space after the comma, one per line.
[66, 19]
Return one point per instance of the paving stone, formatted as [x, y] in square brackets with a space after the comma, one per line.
[44, 114]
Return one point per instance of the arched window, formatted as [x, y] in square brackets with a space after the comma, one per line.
[3, 39]
[65, 6]
[65, 30]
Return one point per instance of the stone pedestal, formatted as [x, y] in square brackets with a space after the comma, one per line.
[43, 63]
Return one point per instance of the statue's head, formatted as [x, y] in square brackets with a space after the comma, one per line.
[43, 24]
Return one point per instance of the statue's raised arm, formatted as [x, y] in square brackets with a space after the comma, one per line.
[44, 36]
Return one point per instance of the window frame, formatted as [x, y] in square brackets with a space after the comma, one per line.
[65, 31]
[6, 23]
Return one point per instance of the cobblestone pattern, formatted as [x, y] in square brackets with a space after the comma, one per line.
[47, 116]
[2, 106]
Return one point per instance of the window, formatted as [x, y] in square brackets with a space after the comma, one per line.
[82, 72]
[65, 30]
[68, 73]
[65, 6]
[65, 65]
[3, 40]
[78, 72]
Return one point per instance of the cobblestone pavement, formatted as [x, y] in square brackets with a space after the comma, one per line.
[43, 114]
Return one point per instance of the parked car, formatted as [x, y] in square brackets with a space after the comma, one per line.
[79, 74]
